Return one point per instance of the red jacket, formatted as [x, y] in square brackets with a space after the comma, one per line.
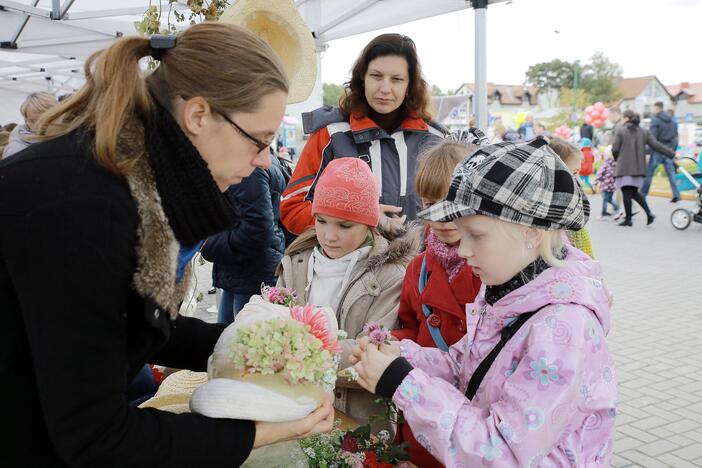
[448, 302]
[588, 163]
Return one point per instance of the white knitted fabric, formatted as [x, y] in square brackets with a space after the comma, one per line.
[258, 398]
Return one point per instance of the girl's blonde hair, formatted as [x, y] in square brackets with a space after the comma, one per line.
[436, 168]
[40, 102]
[226, 65]
[551, 244]
[568, 152]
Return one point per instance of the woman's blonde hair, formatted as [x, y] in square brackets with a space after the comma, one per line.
[436, 168]
[568, 152]
[40, 102]
[228, 66]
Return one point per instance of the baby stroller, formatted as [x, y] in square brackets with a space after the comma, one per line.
[681, 218]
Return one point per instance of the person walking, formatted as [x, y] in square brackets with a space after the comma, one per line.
[665, 130]
[629, 152]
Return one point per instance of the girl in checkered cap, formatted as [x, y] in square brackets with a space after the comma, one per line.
[439, 282]
[532, 383]
[348, 263]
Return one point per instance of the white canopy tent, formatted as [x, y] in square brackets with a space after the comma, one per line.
[43, 42]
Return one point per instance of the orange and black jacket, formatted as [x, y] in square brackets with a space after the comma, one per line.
[393, 159]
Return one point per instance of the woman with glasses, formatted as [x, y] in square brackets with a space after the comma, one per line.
[99, 223]
[383, 118]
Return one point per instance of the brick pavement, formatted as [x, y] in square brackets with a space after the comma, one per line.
[655, 274]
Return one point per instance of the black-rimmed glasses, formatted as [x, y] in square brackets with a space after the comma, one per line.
[259, 144]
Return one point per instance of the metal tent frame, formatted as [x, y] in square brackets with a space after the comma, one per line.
[64, 33]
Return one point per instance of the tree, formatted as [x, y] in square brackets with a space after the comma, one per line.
[556, 74]
[600, 78]
[582, 100]
[436, 91]
[332, 93]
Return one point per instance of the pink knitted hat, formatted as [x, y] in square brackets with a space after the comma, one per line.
[347, 189]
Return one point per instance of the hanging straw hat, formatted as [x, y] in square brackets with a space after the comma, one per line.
[175, 391]
[279, 24]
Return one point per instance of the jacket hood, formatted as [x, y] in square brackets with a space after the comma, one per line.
[579, 282]
[664, 117]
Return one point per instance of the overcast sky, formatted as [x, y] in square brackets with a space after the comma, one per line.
[646, 37]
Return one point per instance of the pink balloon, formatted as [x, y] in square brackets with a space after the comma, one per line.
[589, 109]
[588, 119]
[594, 115]
[605, 113]
[599, 106]
[597, 123]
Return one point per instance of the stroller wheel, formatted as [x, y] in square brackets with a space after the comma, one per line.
[681, 219]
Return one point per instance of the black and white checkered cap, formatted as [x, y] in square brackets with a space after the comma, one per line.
[523, 183]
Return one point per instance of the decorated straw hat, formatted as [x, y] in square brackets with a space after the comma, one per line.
[174, 393]
[257, 397]
[279, 24]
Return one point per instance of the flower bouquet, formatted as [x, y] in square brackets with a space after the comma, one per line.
[354, 449]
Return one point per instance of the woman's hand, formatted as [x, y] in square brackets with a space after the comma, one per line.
[320, 420]
[372, 363]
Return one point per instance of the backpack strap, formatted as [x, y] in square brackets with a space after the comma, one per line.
[426, 310]
[507, 332]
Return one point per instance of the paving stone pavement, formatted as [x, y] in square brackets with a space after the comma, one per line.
[655, 275]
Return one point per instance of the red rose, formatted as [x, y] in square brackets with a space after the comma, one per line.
[349, 444]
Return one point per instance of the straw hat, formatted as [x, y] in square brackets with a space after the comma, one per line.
[279, 24]
[174, 393]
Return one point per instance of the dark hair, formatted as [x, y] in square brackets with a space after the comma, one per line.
[658, 104]
[632, 117]
[417, 101]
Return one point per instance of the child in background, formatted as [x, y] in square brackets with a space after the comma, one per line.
[605, 180]
[504, 396]
[588, 162]
[573, 159]
[345, 262]
[439, 282]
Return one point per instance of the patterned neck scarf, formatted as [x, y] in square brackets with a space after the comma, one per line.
[447, 255]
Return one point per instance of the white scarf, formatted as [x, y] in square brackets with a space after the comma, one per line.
[327, 277]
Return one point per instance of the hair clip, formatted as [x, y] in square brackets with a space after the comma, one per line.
[160, 43]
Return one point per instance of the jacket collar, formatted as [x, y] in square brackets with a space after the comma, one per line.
[157, 248]
[361, 123]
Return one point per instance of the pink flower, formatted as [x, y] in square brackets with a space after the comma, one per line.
[317, 324]
[378, 336]
[281, 296]
[370, 326]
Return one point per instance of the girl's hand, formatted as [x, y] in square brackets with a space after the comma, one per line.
[371, 365]
[320, 420]
[392, 349]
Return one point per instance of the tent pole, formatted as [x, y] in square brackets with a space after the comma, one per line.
[480, 91]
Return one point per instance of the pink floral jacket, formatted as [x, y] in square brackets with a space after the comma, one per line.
[549, 398]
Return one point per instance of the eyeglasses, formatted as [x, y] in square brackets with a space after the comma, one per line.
[259, 144]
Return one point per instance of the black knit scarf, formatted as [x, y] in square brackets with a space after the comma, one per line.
[193, 203]
[534, 269]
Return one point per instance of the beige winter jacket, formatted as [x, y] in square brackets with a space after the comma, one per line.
[372, 294]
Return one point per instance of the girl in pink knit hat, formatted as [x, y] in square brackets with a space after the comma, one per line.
[349, 263]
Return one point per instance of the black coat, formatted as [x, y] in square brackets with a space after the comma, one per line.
[664, 129]
[249, 254]
[75, 331]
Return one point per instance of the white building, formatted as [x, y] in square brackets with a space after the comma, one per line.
[687, 98]
[639, 94]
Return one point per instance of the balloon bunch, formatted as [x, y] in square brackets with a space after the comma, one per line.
[564, 132]
[596, 114]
